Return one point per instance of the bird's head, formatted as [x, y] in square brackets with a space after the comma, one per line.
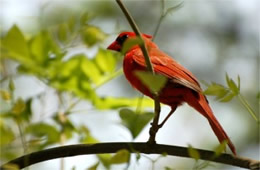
[122, 37]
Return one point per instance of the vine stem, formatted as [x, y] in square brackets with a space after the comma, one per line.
[247, 106]
[23, 141]
[22, 137]
[157, 108]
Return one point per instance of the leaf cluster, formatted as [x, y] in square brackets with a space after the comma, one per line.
[50, 56]
[227, 93]
[224, 93]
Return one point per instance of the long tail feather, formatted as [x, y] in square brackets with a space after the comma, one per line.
[202, 106]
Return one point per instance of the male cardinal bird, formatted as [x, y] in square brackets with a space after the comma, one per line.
[182, 86]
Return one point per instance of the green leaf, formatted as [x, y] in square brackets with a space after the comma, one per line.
[121, 156]
[228, 97]
[154, 82]
[84, 18]
[164, 154]
[44, 130]
[216, 90]
[7, 135]
[85, 135]
[92, 35]
[220, 148]
[15, 43]
[11, 85]
[105, 159]
[27, 113]
[94, 167]
[129, 43]
[227, 80]
[106, 61]
[234, 87]
[71, 24]
[193, 153]
[9, 153]
[115, 103]
[138, 156]
[18, 107]
[67, 127]
[43, 47]
[222, 93]
[63, 32]
[75, 75]
[20, 111]
[90, 69]
[5, 95]
[135, 122]
[68, 69]
[11, 166]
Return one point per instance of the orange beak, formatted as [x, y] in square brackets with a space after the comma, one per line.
[114, 46]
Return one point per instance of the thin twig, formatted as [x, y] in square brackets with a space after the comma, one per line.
[164, 13]
[158, 26]
[138, 33]
[102, 148]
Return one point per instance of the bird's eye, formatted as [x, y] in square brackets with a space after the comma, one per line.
[121, 39]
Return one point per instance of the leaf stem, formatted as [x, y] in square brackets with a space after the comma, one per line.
[26, 161]
[247, 106]
[18, 122]
[110, 77]
[22, 137]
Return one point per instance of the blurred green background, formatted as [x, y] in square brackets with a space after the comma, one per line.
[210, 38]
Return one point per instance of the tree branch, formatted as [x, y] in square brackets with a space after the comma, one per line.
[157, 107]
[102, 148]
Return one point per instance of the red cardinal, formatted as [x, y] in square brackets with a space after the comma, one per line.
[182, 86]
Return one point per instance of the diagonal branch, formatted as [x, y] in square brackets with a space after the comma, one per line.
[102, 148]
[157, 108]
[138, 33]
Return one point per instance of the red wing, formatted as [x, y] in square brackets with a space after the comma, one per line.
[165, 65]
